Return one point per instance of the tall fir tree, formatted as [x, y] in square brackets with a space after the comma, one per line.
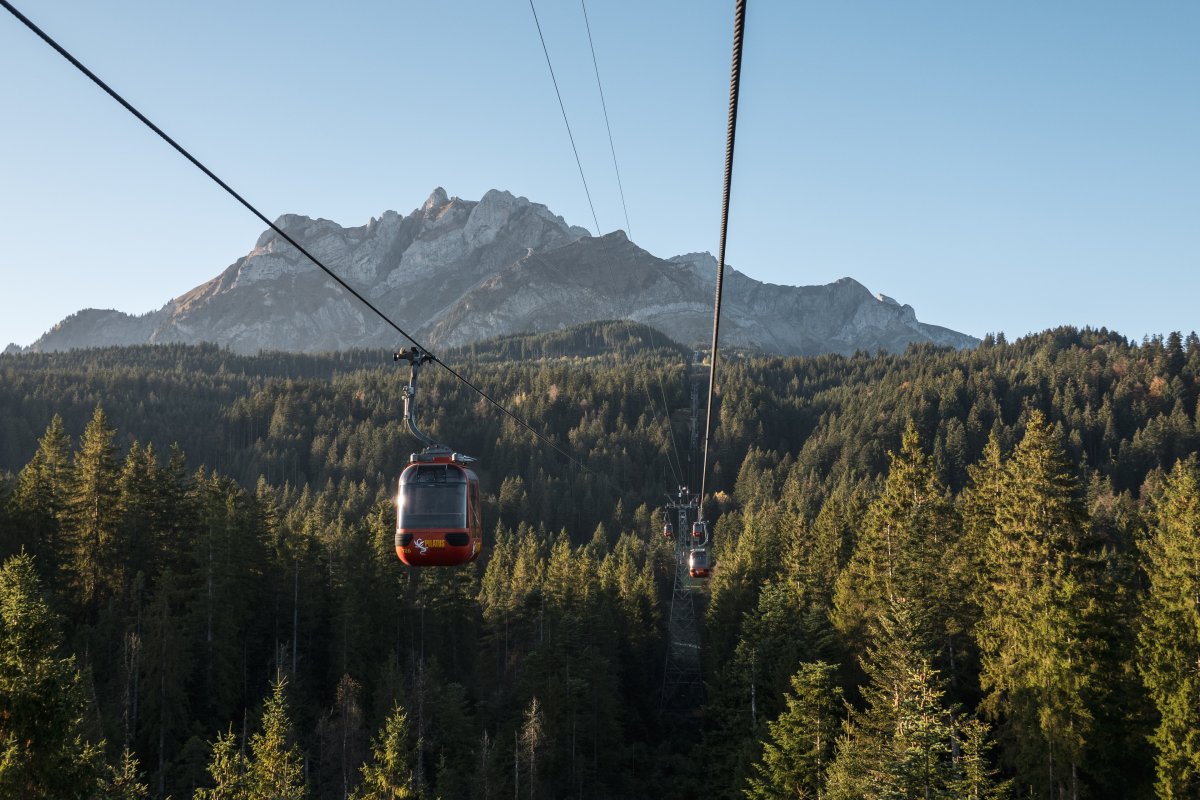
[275, 771]
[1169, 637]
[389, 774]
[1038, 634]
[40, 497]
[908, 531]
[93, 515]
[801, 739]
[900, 745]
[43, 752]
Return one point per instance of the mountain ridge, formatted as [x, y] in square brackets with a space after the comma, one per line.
[455, 271]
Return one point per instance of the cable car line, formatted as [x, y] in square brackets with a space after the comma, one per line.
[671, 428]
[282, 233]
[604, 106]
[739, 27]
[654, 413]
[570, 135]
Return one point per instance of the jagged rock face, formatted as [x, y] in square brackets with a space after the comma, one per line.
[456, 271]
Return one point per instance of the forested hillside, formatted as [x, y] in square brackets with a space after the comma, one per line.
[938, 574]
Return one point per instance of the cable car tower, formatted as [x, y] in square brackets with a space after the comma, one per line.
[683, 683]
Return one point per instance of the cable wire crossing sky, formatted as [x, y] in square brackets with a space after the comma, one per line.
[999, 168]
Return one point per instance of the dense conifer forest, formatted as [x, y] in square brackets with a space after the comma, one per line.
[938, 574]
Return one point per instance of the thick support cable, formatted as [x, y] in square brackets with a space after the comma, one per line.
[739, 27]
[282, 233]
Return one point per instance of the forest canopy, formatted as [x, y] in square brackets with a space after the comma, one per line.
[938, 573]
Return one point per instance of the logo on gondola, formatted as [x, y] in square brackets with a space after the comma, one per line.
[420, 543]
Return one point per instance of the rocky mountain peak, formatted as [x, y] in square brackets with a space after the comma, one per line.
[456, 271]
[437, 198]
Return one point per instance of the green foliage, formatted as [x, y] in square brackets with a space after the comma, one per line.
[801, 739]
[1170, 631]
[43, 753]
[186, 592]
[901, 745]
[1041, 650]
[272, 769]
[92, 545]
[389, 775]
[126, 780]
[275, 771]
[902, 550]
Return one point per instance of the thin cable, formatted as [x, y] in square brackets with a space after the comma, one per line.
[739, 27]
[195, 162]
[670, 427]
[654, 413]
[570, 135]
[611, 146]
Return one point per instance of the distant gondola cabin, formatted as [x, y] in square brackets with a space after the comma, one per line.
[668, 530]
[700, 530]
[438, 522]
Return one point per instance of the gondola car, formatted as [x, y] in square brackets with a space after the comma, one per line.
[698, 566]
[668, 530]
[438, 514]
[438, 518]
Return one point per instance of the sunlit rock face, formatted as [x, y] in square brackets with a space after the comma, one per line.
[456, 271]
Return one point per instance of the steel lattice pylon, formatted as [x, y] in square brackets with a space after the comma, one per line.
[683, 683]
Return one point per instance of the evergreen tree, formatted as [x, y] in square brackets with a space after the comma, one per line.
[900, 555]
[39, 500]
[532, 738]
[1038, 634]
[1170, 633]
[227, 767]
[43, 753]
[978, 778]
[389, 775]
[126, 780]
[801, 739]
[93, 517]
[900, 745]
[275, 771]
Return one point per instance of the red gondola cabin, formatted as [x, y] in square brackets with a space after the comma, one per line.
[698, 566]
[668, 530]
[700, 531]
[438, 522]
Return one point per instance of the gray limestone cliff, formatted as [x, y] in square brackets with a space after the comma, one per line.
[455, 271]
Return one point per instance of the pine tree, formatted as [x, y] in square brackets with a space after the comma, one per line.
[1040, 648]
[126, 780]
[978, 779]
[275, 771]
[389, 775]
[227, 767]
[1169, 638]
[42, 750]
[93, 517]
[801, 740]
[900, 745]
[899, 556]
[41, 493]
[142, 515]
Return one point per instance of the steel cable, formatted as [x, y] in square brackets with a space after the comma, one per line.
[739, 26]
[282, 233]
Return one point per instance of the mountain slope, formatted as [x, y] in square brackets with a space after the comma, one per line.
[455, 271]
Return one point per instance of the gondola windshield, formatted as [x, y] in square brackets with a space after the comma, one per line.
[434, 497]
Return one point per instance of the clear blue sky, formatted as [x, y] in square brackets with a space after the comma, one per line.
[1000, 166]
